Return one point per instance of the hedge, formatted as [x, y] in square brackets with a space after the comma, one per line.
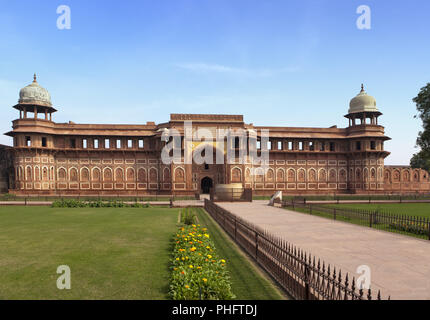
[72, 203]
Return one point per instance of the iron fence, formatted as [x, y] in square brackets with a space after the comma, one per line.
[303, 276]
[399, 223]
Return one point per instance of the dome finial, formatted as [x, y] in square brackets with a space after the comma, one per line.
[34, 78]
[362, 87]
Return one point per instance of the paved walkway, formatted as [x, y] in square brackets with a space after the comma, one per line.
[400, 265]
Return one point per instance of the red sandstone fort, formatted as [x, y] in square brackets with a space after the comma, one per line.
[49, 158]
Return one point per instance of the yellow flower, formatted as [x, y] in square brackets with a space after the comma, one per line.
[193, 249]
[209, 256]
[177, 259]
[191, 266]
[205, 280]
[223, 261]
[187, 286]
[206, 235]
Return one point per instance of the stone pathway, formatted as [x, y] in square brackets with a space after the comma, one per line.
[400, 265]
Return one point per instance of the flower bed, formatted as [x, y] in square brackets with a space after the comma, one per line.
[415, 228]
[197, 272]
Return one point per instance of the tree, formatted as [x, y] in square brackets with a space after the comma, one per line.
[421, 159]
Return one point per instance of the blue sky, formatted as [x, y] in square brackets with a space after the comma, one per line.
[284, 63]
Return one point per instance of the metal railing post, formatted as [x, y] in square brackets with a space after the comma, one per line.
[235, 228]
[428, 226]
[307, 293]
[256, 245]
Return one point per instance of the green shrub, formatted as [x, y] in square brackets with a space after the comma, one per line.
[188, 216]
[197, 272]
[73, 203]
[415, 228]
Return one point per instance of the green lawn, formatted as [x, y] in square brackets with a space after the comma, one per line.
[113, 253]
[401, 213]
[410, 209]
[248, 281]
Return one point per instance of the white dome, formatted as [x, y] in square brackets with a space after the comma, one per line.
[34, 94]
[362, 103]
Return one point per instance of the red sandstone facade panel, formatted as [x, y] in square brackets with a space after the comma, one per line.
[59, 158]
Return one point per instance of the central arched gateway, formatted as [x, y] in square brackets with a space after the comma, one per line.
[206, 185]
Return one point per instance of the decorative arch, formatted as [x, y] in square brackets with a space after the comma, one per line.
[107, 174]
[372, 174]
[73, 174]
[28, 173]
[96, 174]
[62, 174]
[301, 175]
[366, 174]
[45, 173]
[270, 175]
[416, 176]
[85, 174]
[312, 175]
[259, 174]
[342, 175]
[357, 174]
[52, 174]
[153, 175]
[291, 175]
[406, 176]
[248, 177]
[141, 175]
[119, 175]
[332, 176]
[280, 175]
[179, 174]
[387, 176]
[236, 174]
[396, 176]
[322, 175]
[130, 174]
[36, 173]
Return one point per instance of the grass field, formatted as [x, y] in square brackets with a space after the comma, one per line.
[410, 209]
[411, 219]
[248, 283]
[113, 253]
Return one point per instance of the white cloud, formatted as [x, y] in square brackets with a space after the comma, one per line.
[217, 68]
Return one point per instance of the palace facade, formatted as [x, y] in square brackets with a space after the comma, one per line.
[50, 158]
